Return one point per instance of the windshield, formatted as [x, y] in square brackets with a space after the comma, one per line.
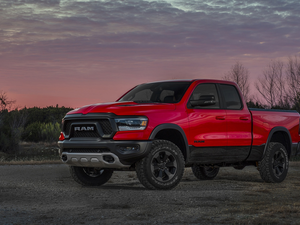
[164, 92]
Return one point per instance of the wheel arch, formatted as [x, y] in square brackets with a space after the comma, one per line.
[281, 135]
[175, 134]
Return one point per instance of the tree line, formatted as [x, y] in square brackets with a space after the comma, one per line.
[28, 124]
[278, 88]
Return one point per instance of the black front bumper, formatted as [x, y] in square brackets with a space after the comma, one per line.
[102, 153]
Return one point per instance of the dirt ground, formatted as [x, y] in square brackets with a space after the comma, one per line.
[46, 194]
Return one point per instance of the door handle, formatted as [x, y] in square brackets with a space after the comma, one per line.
[220, 117]
[244, 118]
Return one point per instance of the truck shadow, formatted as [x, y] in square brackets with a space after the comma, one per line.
[118, 186]
[240, 179]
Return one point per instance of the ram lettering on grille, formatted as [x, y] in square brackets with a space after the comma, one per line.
[83, 128]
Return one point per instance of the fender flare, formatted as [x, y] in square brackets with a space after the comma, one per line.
[276, 129]
[173, 127]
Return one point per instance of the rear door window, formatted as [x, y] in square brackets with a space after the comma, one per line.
[231, 97]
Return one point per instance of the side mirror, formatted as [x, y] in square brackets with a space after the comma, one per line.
[205, 100]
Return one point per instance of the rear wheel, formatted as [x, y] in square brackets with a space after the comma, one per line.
[163, 167]
[90, 176]
[275, 164]
[205, 172]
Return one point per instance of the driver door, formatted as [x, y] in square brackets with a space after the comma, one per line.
[208, 127]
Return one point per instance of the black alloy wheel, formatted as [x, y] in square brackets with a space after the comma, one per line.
[274, 166]
[90, 176]
[163, 166]
[278, 163]
[205, 172]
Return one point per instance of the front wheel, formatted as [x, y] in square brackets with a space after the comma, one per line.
[90, 176]
[163, 167]
[205, 172]
[275, 164]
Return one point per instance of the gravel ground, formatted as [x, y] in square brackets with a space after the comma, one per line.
[46, 194]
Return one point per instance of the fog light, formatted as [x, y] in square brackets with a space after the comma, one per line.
[129, 148]
[108, 158]
[64, 158]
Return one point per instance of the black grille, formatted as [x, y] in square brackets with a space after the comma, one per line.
[67, 127]
[104, 124]
[86, 150]
[86, 134]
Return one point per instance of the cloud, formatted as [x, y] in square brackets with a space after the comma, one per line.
[195, 24]
[69, 39]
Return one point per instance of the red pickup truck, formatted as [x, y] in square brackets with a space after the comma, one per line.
[158, 129]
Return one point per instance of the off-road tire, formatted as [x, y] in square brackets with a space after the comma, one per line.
[162, 168]
[89, 176]
[275, 164]
[205, 172]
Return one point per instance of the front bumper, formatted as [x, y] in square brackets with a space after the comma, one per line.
[88, 152]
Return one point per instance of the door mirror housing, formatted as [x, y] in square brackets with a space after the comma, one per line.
[205, 100]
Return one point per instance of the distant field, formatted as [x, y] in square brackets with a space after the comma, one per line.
[32, 153]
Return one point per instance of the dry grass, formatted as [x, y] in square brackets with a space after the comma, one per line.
[265, 209]
[32, 162]
[32, 153]
[262, 213]
[295, 158]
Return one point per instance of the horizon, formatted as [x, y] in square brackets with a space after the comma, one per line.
[75, 53]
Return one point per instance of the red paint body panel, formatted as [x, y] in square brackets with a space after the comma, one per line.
[265, 121]
[239, 127]
[205, 129]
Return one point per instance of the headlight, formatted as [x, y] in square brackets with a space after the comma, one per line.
[131, 123]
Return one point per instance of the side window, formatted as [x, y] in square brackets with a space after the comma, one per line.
[231, 97]
[205, 90]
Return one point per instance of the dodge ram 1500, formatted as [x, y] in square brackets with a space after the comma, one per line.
[159, 128]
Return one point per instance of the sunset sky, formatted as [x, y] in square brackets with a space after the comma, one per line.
[74, 53]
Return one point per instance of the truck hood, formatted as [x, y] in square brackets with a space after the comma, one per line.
[123, 108]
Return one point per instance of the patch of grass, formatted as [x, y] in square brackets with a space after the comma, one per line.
[284, 209]
[29, 153]
[31, 162]
[261, 220]
[262, 212]
[295, 158]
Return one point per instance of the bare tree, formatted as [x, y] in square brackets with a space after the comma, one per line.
[19, 119]
[239, 74]
[4, 102]
[293, 79]
[8, 143]
[272, 85]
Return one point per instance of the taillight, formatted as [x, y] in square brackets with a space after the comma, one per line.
[61, 137]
